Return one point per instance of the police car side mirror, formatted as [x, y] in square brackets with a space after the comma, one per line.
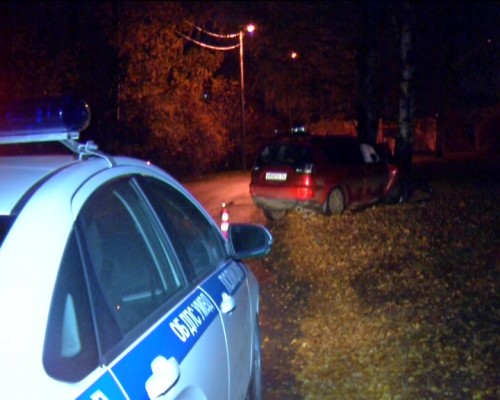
[248, 241]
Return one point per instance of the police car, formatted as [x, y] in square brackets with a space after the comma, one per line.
[114, 282]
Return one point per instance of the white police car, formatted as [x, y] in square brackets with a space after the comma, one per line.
[114, 282]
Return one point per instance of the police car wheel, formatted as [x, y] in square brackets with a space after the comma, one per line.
[255, 387]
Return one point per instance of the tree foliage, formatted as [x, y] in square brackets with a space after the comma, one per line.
[321, 81]
[52, 48]
[163, 104]
[37, 60]
[147, 86]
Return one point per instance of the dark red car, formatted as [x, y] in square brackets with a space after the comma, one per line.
[327, 173]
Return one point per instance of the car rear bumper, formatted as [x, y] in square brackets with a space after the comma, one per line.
[285, 198]
[283, 204]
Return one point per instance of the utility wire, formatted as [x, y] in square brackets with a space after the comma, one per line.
[220, 48]
[217, 35]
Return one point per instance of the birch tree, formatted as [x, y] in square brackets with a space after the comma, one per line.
[407, 94]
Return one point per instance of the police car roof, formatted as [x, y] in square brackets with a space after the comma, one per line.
[19, 174]
[32, 121]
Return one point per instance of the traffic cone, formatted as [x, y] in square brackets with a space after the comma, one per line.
[224, 216]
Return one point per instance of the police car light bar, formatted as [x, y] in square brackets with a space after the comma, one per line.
[43, 120]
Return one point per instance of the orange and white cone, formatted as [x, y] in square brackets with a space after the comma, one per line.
[224, 216]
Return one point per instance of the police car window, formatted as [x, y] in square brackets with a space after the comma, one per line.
[6, 222]
[129, 265]
[70, 349]
[198, 245]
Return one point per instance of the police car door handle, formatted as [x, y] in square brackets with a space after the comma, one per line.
[228, 304]
[165, 375]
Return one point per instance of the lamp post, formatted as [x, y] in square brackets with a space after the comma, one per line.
[242, 93]
[293, 56]
[249, 28]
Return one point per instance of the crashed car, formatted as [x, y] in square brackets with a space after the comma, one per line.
[322, 173]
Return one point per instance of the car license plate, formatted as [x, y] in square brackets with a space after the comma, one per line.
[275, 176]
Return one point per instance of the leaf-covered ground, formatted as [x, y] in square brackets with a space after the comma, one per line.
[391, 302]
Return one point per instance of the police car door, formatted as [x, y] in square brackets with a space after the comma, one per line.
[159, 333]
[199, 246]
[232, 292]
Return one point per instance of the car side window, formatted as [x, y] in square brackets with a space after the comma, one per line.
[130, 271]
[350, 154]
[198, 245]
[331, 152]
[369, 153]
[70, 349]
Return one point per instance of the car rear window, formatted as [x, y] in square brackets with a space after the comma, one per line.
[285, 154]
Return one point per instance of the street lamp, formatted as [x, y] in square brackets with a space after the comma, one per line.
[249, 28]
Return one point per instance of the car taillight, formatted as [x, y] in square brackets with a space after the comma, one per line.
[306, 191]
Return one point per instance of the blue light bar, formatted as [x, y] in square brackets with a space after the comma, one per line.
[43, 120]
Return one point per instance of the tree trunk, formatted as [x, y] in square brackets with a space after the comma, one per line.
[404, 148]
[368, 67]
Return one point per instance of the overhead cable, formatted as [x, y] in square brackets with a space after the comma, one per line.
[220, 48]
[217, 35]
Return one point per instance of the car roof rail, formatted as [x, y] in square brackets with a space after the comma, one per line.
[49, 119]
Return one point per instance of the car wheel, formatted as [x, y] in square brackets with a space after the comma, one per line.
[255, 387]
[274, 215]
[335, 203]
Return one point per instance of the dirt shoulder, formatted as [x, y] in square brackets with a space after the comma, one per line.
[392, 302]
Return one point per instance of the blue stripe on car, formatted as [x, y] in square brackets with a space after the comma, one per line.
[104, 388]
[173, 337]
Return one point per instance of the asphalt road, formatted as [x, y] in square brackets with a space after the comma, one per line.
[231, 188]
